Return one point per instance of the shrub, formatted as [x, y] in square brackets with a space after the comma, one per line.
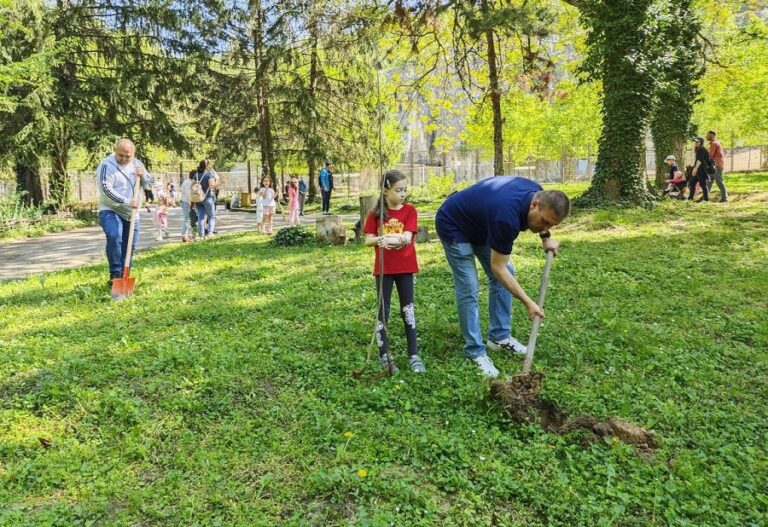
[292, 237]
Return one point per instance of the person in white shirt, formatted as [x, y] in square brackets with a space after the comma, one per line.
[185, 199]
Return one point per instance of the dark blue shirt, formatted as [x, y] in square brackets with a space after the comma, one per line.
[491, 212]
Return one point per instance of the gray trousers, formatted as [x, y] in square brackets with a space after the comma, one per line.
[718, 178]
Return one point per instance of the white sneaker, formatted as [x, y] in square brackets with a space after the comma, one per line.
[508, 344]
[485, 364]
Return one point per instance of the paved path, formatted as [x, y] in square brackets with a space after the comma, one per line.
[62, 250]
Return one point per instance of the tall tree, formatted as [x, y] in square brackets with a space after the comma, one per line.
[677, 82]
[121, 69]
[25, 90]
[624, 52]
[480, 27]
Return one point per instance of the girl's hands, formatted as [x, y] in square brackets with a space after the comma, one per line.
[391, 241]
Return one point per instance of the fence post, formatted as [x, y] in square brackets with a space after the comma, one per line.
[79, 186]
[249, 176]
[410, 166]
[589, 161]
[733, 148]
[477, 164]
[562, 164]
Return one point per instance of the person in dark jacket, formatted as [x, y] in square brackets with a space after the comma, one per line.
[699, 170]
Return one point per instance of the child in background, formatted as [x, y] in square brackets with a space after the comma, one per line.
[259, 209]
[676, 179]
[185, 198]
[267, 194]
[161, 219]
[395, 263]
[293, 202]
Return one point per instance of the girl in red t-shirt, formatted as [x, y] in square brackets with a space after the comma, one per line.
[395, 262]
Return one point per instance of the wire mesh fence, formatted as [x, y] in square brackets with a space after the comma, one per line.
[574, 163]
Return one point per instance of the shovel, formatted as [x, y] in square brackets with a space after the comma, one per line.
[519, 395]
[537, 319]
[123, 287]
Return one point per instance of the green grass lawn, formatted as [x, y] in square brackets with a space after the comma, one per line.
[221, 393]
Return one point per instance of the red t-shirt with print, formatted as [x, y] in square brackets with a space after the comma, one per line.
[396, 261]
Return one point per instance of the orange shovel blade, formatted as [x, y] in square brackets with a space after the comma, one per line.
[123, 287]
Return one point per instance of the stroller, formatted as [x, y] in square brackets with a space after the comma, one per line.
[676, 187]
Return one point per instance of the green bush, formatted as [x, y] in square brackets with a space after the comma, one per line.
[293, 237]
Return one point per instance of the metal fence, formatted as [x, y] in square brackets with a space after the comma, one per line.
[572, 164]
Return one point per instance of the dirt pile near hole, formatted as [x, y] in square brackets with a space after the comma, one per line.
[520, 400]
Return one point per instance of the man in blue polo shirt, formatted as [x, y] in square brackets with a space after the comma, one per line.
[484, 221]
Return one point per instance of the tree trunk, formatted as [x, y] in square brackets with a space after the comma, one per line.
[673, 102]
[495, 92]
[28, 182]
[59, 184]
[627, 88]
[312, 141]
[262, 91]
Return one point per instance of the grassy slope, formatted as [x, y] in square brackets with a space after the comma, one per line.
[220, 394]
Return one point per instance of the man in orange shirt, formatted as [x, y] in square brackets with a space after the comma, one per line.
[717, 155]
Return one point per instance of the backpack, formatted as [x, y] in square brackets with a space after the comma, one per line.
[711, 169]
[196, 192]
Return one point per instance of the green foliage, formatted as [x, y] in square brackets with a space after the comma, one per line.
[734, 89]
[227, 398]
[437, 188]
[19, 219]
[293, 237]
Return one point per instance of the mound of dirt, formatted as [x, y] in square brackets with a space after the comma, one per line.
[520, 400]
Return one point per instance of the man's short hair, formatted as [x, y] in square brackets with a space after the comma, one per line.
[554, 200]
[712, 132]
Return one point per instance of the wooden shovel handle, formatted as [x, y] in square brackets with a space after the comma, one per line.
[134, 213]
[537, 319]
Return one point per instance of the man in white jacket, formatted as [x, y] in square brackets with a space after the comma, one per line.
[116, 176]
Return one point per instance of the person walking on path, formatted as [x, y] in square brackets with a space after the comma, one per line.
[395, 263]
[717, 154]
[116, 176]
[699, 171]
[206, 209]
[302, 195]
[184, 200]
[483, 222]
[326, 186]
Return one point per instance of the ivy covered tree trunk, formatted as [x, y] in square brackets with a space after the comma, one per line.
[676, 93]
[621, 56]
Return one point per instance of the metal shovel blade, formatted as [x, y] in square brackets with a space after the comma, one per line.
[123, 287]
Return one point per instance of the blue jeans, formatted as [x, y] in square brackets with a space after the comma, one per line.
[117, 230]
[461, 258]
[326, 200]
[206, 208]
[186, 224]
